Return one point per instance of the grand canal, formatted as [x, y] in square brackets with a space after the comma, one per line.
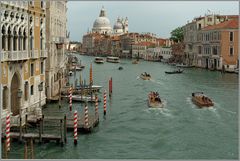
[131, 130]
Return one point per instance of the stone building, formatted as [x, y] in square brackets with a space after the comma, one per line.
[56, 29]
[218, 46]
[23, 57]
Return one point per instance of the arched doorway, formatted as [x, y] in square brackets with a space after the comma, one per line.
[14, 95]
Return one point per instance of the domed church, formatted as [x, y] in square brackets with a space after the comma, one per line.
[121, 26]
[102, 25]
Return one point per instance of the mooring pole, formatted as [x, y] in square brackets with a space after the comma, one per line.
[65, 128]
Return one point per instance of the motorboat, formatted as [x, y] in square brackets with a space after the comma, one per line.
[83, 98]
[135, 62]
[201, 100]
[99, 60]
[174, 72]
[145, 76]
[120, 68]
[112, 59]
[154, 100]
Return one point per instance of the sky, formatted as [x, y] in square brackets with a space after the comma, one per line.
[158, 17]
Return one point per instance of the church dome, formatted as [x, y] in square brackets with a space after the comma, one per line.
[117, 25]
[102, 23]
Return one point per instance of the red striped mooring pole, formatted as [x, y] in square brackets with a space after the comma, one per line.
[75, 127]
[110, 86]
[105, 102]
[8, 131]
[86, 116]
[70, 99]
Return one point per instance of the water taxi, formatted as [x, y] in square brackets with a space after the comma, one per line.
[112, 59]
[99, 60]
[135, 62]
[145, 76]
[201, 100]
[154, 100]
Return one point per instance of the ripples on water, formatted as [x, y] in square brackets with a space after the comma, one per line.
[180, 130]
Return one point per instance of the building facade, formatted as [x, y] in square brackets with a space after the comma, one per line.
[191, 29]
[23, 58]
[57, 43]
[218, 46]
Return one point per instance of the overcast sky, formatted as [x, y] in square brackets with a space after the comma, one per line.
[159, 17]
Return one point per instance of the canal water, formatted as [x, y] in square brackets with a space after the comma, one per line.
[131, 130]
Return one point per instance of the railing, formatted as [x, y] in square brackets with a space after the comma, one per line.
[14, 55]
[33, 54]
[43, 53]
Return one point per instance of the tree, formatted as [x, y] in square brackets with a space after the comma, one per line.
[177, 35]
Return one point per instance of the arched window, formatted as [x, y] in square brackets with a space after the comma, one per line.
[3, 38]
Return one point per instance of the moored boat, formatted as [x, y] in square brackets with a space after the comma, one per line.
[154, 100]
[99, 60]
[183, 66]
[174, 72]
[145, 76]
[83, 98]
[201, 100]
[112, 59]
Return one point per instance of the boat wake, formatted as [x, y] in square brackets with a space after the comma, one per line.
[160, 111]
[212, 108]
[154, 81]
[228, 111]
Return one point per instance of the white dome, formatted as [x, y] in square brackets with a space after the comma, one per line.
[117, 25]
[102, 22]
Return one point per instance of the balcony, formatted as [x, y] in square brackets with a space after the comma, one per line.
[43, 54]
[60, 40]
[33, 54]
[14, 56]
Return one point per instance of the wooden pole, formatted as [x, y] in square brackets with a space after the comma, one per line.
[40, 130]
[32, 149]
[26, 122]
[5, 149]
[25, 151]
[20, 126]
[65, 128]
[61, 130]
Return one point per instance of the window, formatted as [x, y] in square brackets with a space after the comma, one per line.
[231, 51]
[199, 26]
[42, 67]
[42, 4]
[32, 90]
[214, 49]
[231, 36]
[32, 69]
[199, 50]
[209, 19]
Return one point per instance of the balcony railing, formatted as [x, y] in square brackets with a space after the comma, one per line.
[43, 53]
[33, 54]
[14, 55]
